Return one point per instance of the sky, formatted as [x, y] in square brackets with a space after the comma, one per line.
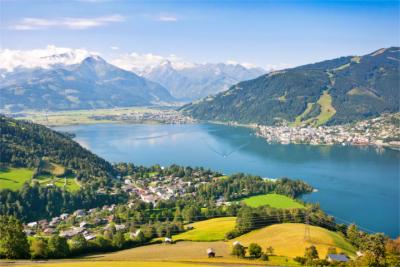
[265, 33]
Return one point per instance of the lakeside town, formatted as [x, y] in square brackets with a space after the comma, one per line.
[383, 131]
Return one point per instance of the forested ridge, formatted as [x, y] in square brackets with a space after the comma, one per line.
[351, 88]
[25, 144]
[35, 202]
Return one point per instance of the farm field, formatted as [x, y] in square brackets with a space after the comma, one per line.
[208, 230]
[112, 264]
[14, 178]
[287, 239]
[273, 200]
[194, 252]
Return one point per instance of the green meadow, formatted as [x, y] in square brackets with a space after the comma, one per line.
[208, 230]
[69, 183]
[14, 178]
[272, 200]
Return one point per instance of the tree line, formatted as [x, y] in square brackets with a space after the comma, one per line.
[35, 202]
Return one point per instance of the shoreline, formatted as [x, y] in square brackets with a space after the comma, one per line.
[159, 116]
[256, 126]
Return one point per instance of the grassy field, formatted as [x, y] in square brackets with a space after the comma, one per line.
[113, 264]
[14, 178]
[298, 120]
[287, 239]
[327, 110]
[273, 200]
[194, 252]
[69, 183]
[208, 230]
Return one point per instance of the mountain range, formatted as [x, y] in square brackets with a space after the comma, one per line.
[58, 78]
[199, 80]
[336, 91]
[91, 83]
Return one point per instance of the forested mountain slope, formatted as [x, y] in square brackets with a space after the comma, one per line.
[25, 144]
[335, 91]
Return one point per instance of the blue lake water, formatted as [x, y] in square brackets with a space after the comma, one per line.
[355, 184]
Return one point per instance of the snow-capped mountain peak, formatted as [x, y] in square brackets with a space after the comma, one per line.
[42, 58]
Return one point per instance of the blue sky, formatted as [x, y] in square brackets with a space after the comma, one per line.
[261, 32]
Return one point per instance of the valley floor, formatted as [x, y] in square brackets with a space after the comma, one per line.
[113, 115]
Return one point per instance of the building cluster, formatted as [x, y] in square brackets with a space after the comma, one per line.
[89, 223]
[156, 187]
[161, 116]
[93, 222]
[382, 131]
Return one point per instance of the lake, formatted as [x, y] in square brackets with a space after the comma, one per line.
[355, 184]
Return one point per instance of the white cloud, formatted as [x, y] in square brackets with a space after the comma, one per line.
[139, 63]
[279, 66]
[68, 23]
[143, 62]
[167, 18]
[11, 59]
[247, 65]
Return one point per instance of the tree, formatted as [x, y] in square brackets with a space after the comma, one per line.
[13, 241]
[367, 260]
[102, 243]
[189, 213]
[393, 246]
[270, 250]
[140, 238]
[311, 253]
[39, 249]
[300, 260]
[178, 215]
[118, 240]
[255, 250]
[375, 244]
[353, 234]
[58, 247]
[245, 220]
[79, 243]
[239, 250]
[264, 257]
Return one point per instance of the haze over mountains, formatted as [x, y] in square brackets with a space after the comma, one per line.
[92, 83]
[61, 79]
[195, 81]
[334, 91]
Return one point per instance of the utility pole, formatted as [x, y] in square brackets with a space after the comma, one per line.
[307, 236]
